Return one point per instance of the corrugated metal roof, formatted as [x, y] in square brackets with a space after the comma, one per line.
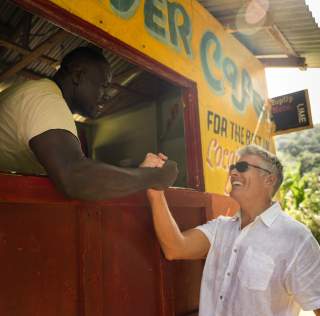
[40, 31]
[11, 17]
[292, 18]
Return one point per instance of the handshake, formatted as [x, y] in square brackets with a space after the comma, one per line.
[166, 170]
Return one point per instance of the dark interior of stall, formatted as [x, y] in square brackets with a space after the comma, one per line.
[142, 112]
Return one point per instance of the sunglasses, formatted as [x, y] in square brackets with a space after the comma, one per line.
[243, 166]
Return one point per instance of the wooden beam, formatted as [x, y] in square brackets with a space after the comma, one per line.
[23, 51]
[281, 40]
[131, 91]
[36, 53]
[19, 32]
[122, 77]
[26, 73]
[284, 62]
[268, 25]
[30, 74]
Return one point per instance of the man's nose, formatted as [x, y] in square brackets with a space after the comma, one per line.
[233, 171]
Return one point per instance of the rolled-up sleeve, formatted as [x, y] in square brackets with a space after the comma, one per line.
[209, 229]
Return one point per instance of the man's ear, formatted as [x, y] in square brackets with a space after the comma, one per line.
[271, 179]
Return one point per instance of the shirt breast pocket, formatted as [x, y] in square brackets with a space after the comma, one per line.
[255, 270]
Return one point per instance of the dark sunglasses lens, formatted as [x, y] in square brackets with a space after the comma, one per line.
[242, 166]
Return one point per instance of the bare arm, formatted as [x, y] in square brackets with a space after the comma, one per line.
[191, 244]
[60, 153]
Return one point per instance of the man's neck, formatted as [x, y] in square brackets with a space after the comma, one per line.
[250, 210]
[65, 90]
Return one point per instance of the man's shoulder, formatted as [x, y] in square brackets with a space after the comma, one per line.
[225, 220]
[40, 86]
[30, 88]
[220, 220]
[291, 227]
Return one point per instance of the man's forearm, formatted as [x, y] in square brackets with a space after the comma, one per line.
[169, 235]
[78, 177]
[91, 180]
[190, 244]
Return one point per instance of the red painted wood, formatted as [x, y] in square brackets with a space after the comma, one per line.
[222, 205]
[32, 189]
[84, 29]
[193, 138]
[90, 258]
[71, 258]
[186, 275]
[131, 257]
[38, 266]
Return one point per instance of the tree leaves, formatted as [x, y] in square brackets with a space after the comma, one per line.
[300, 191]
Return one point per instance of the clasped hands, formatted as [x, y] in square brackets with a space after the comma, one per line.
[169, 169]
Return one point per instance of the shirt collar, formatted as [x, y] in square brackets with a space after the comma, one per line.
[267, 217]
[270, 214]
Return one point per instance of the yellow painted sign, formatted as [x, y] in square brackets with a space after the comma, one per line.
[182, 35]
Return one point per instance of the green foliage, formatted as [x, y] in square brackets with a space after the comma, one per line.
[301, 145]
[300, 196]
[300, 191]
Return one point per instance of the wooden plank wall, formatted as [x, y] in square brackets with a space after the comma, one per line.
[63, 258]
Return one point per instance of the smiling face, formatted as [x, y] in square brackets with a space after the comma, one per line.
[252, 184]
[89, 89]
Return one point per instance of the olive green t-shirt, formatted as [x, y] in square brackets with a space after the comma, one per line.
[28, 110]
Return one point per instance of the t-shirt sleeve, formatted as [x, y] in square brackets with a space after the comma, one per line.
[43, 111]
[303, 277]
[209, 229]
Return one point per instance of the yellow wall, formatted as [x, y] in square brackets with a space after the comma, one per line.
[200, 43]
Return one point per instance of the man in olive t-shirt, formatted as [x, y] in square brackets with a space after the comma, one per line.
[38, 135]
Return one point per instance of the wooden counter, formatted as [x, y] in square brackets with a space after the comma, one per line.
[64, 257]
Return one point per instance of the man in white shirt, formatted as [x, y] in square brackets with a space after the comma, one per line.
[260, 262]
[38, 134]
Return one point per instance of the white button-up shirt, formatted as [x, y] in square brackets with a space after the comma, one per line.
[269, 268]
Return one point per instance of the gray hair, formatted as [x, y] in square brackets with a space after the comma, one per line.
[270, 160]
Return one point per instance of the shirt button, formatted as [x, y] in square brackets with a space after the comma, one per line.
[221, 297]
[235, 250]
[228, 274]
